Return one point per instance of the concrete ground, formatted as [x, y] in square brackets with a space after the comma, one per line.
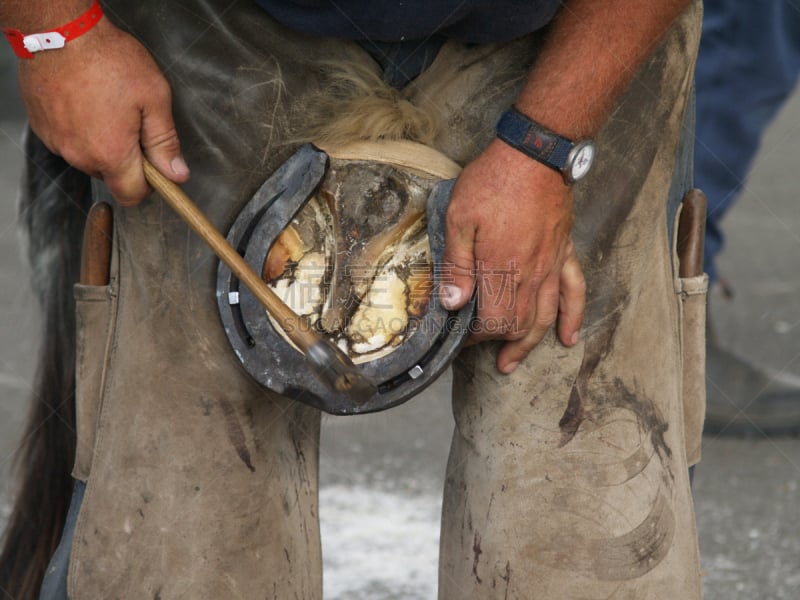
[382, 474]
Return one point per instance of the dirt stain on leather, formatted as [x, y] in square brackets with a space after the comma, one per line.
[236, 433]
[619, 558]
[647, 415]
[572, 417]
[476, 549]
[637, 552]
[597, 347]
[507, 578]
[614, 395]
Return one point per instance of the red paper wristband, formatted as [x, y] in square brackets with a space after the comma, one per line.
[25, 45]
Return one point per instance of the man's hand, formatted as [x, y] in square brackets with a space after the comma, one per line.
[98, 102]
[508, 232]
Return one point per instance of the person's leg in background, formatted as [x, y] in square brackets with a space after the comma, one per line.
[747, 67]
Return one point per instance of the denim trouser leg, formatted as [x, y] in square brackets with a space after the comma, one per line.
[54, 585]
[748, 64]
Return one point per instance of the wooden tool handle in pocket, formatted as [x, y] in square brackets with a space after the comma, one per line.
[691, 234]
[96, 252]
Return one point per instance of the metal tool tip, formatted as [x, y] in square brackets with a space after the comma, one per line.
[339, 373]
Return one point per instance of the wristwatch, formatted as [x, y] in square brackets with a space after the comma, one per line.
[572, 159]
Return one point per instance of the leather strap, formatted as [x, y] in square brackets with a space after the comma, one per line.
[534, 140]
[25, 45]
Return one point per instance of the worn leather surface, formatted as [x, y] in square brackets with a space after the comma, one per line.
[202, 484]
[95, 308]
[568, 478]
[693, 293]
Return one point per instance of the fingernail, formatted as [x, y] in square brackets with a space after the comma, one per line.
[510, 368]
[179, 166]
[575, 337]
[450, 296]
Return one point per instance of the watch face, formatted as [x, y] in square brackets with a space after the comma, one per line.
[582, 159]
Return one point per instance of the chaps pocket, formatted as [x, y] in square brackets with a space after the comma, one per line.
[691, 288]
[95, 310]
[95, 306]
[692, 293]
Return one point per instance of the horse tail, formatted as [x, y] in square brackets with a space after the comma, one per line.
[53, 203]
[355, 104]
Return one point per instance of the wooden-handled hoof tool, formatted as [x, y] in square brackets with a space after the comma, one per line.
[691, 234]
[325, 359]
[97, 239]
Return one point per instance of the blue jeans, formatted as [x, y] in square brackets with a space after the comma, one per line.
[54, 585]
[747, 67]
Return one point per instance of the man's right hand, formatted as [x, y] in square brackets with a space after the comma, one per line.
[98, 103]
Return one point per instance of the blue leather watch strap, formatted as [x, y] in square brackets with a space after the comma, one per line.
[530, 138]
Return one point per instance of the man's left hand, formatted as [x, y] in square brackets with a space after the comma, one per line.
[508, 233]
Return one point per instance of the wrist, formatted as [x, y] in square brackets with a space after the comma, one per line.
[46, 36]
[572, 159]
[32, 16]
[523, 168]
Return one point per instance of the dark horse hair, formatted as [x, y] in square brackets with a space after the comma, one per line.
[53, 204]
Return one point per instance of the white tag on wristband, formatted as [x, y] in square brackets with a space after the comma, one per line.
[50, 40]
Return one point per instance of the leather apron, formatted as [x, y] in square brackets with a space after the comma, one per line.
[566, 479]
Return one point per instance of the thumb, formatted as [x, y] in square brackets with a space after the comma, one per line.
[160, 138]
[457, 280]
